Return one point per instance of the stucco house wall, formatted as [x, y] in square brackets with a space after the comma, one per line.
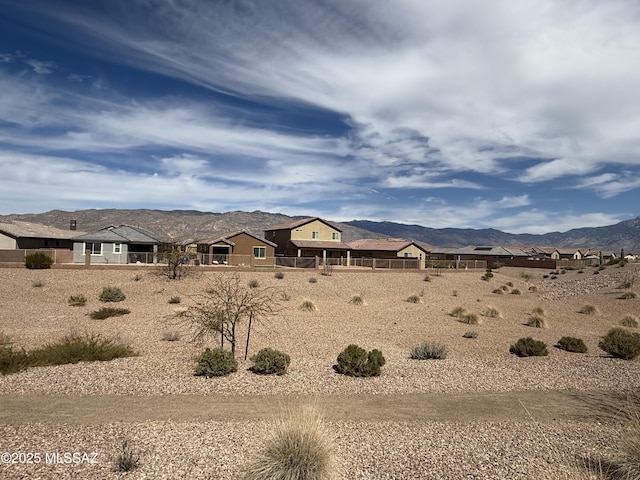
[108, 253]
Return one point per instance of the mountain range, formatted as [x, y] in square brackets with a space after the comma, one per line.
[192, 224]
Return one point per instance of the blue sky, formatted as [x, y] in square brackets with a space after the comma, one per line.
[522, 116]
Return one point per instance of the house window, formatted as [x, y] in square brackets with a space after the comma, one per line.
[315, 235]
[408, 254]
[334, 236]
[117, 248]
[94, 247]
[260, 252]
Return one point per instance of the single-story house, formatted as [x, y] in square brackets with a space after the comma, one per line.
[15, 234]
[387, 248]
[118, 244]
[309, 237]
[235, 248]
[492, 254]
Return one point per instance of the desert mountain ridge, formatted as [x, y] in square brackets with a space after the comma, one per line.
[193, 224]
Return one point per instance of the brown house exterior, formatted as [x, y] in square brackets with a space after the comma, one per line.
[236, 248]
[309, 237]
[387, 248]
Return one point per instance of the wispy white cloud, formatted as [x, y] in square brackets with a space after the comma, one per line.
[41, 67]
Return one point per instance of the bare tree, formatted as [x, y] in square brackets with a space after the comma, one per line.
[175, 259]
[224, 305]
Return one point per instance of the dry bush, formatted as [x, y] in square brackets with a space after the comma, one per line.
[308, 306]
[537, 321]
[630, 321]
[498, 291]
[429, 351]
[589, 309]
[492, 312]
[299, 447]
[127, 459]
[627, 295]
[538, 311]
[415, 298]
[357, 300]
[77, 300]
[628, 447]
[470, 318]
[516, 291]
[458, 312]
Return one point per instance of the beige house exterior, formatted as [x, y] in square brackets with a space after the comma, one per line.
[386, 248]
[236, 248]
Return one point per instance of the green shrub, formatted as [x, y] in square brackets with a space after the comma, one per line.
[111, 294]
[588, 309]
[75, 348]
[77, 300]
[298, 448]
[537, 321]
[621, 343]
[127, 459]
[357, 300]
[215, 362]
[175, 300]
[415, 298]
[269, 361]
[629, 321]
[106, 312]
[572, 344]
[355, 361]
[429, 351]
[528, 347]
[12, 360]
[470, 334]
[37, 261]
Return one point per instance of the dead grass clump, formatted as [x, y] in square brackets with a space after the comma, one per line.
[470, 318]
[537, 321]
[628, 447]
[458, 312]
[357, 300]
[627, 295]
[298, 447]
[589, 309]
[492, 312]
[429, 351]
[175, 300]
[106, 312]
[313, 280]
[538, 311]
[533, 289]
[308, 306]
[77, 300]
[254, 283]
[38, 284]
[171, 336]
[127, 459]
[629, 321]
[415, 298]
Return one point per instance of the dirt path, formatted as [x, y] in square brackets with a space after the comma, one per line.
[543, 406]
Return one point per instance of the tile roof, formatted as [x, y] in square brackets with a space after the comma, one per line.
[227, 236]
[384, 244]
[122, 234]
[18, 229]
[299, 223]
[320, 245]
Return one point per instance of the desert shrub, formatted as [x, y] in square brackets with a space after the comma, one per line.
[175, 300]
[111, 294]
[269, 361]
[545, 276]
[509, 284]
[533, 289]
[580, 271]
[528, 347]
[588, 309]
[37, 261]
[308, 306]
[492, 312]
[628, 283]
[285, 297]
[537, 321]
[215, 362]
[563, 271]
[487, 276]
[127, 459]
[470, 334]
[171, 336]
[5, 339]
[525, 276]
[538, 311]
[75, 347]
[596, 272]
[498, 291]
[470, 318]
[628, 444]
[137, 277]
[415, 298]
[427, 278]
[429, 351]
[357, 300]
[253, 283]
[504, 288]
[454, 293]
[77, 300]
[313, 280]
[629, 321]
[621, 343]
[516, 291]
[279, 275]
[106, 312]
[12, 360]
[298, 448]
[572, 344]
[458, 312]
[37, 284]
[355, 361]
[627, 295]
[554, 277]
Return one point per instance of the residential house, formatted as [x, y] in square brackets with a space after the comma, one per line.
[567, 254]
[16, 237]
[492, 254]
[235, 248]
[388, 248]
[118, 245]
[309, 237]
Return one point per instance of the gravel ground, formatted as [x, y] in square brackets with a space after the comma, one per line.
[34, 316]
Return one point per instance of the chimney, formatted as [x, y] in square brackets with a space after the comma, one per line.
[72, 224]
